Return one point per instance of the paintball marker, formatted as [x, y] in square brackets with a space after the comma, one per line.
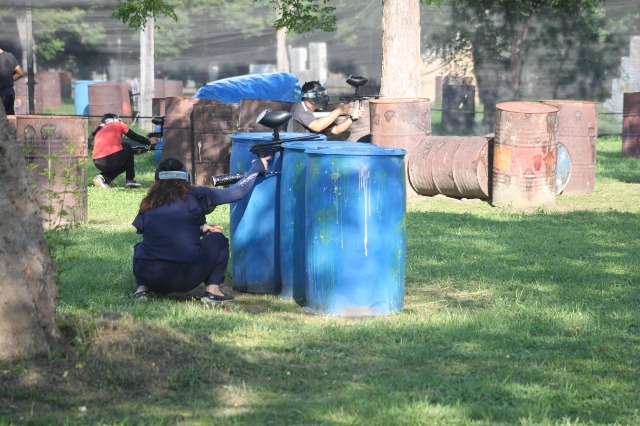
[357, 82]
[158, 120]
[273, 120]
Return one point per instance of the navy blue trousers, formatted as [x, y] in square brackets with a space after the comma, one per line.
[163, 276]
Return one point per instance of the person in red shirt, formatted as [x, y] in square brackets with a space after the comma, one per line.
[110, 155]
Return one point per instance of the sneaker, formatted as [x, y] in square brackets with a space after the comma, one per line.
[210, 298]
[133, 184]
[100, 182]
[139, 295]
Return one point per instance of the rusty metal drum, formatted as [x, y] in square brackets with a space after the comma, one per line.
[399, 122]
[631, 125]
[109, 97]
[578, 133]
[525, 155]
[55, 151]
[455, 166]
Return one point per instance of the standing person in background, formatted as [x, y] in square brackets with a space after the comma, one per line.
[315, 98]
[10, 71]
[111, 155]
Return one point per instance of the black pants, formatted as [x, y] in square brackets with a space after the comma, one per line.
[7, 102]
[170, 277]
[113, 165]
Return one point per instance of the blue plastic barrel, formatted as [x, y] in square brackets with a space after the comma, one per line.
[355, 203]
[157, 150]
[292, 214]
[254, 221]
[81, 96]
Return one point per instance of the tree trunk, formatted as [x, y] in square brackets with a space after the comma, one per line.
[401, 65]
[147, 73]
[27, 284]
[282, 53]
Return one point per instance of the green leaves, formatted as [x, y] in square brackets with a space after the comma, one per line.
[136, 13]
[304, 16]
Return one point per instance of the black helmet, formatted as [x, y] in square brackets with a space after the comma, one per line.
[110, 117]
[315, 93]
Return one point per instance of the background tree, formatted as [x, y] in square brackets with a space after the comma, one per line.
[502, 35]
[400, 41]
[27, 309]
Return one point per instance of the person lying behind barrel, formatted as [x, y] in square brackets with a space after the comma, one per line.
[315, 98]
[111, 155]
[179, 250]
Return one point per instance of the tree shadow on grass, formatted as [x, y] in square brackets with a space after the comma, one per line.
[510, 319]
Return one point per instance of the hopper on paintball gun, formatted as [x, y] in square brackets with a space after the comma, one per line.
[273, 120]
[357, 82]
[158, 120]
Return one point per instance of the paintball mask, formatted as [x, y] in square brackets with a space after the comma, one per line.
[317, 96]
[172, 168]
[109, 118]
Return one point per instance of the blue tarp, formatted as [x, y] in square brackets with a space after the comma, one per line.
[279, 86]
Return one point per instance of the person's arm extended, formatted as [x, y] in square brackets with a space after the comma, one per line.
[218, 196]
[319, 124]
[136, 137]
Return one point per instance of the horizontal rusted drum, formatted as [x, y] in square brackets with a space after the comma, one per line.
[55, 151]
[455, 166]
[578, 132]
[525, 155]
[631, 125]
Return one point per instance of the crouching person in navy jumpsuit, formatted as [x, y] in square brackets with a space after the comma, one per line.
[179, 250]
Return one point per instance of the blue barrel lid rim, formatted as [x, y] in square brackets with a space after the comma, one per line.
[358, 151]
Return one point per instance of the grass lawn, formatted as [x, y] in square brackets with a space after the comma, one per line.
[510, 318]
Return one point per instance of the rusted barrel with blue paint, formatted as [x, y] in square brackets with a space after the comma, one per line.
[254, 220]
[525, 155]
[292, 215]
[355, 200]
[578, 134]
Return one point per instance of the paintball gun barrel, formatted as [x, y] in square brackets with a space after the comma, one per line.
[231, 178]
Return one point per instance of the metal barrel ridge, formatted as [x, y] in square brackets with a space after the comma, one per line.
[455, 166]
[292, 215]
[254, 220]
[355, 239]
[578, 133]
[525, 155]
